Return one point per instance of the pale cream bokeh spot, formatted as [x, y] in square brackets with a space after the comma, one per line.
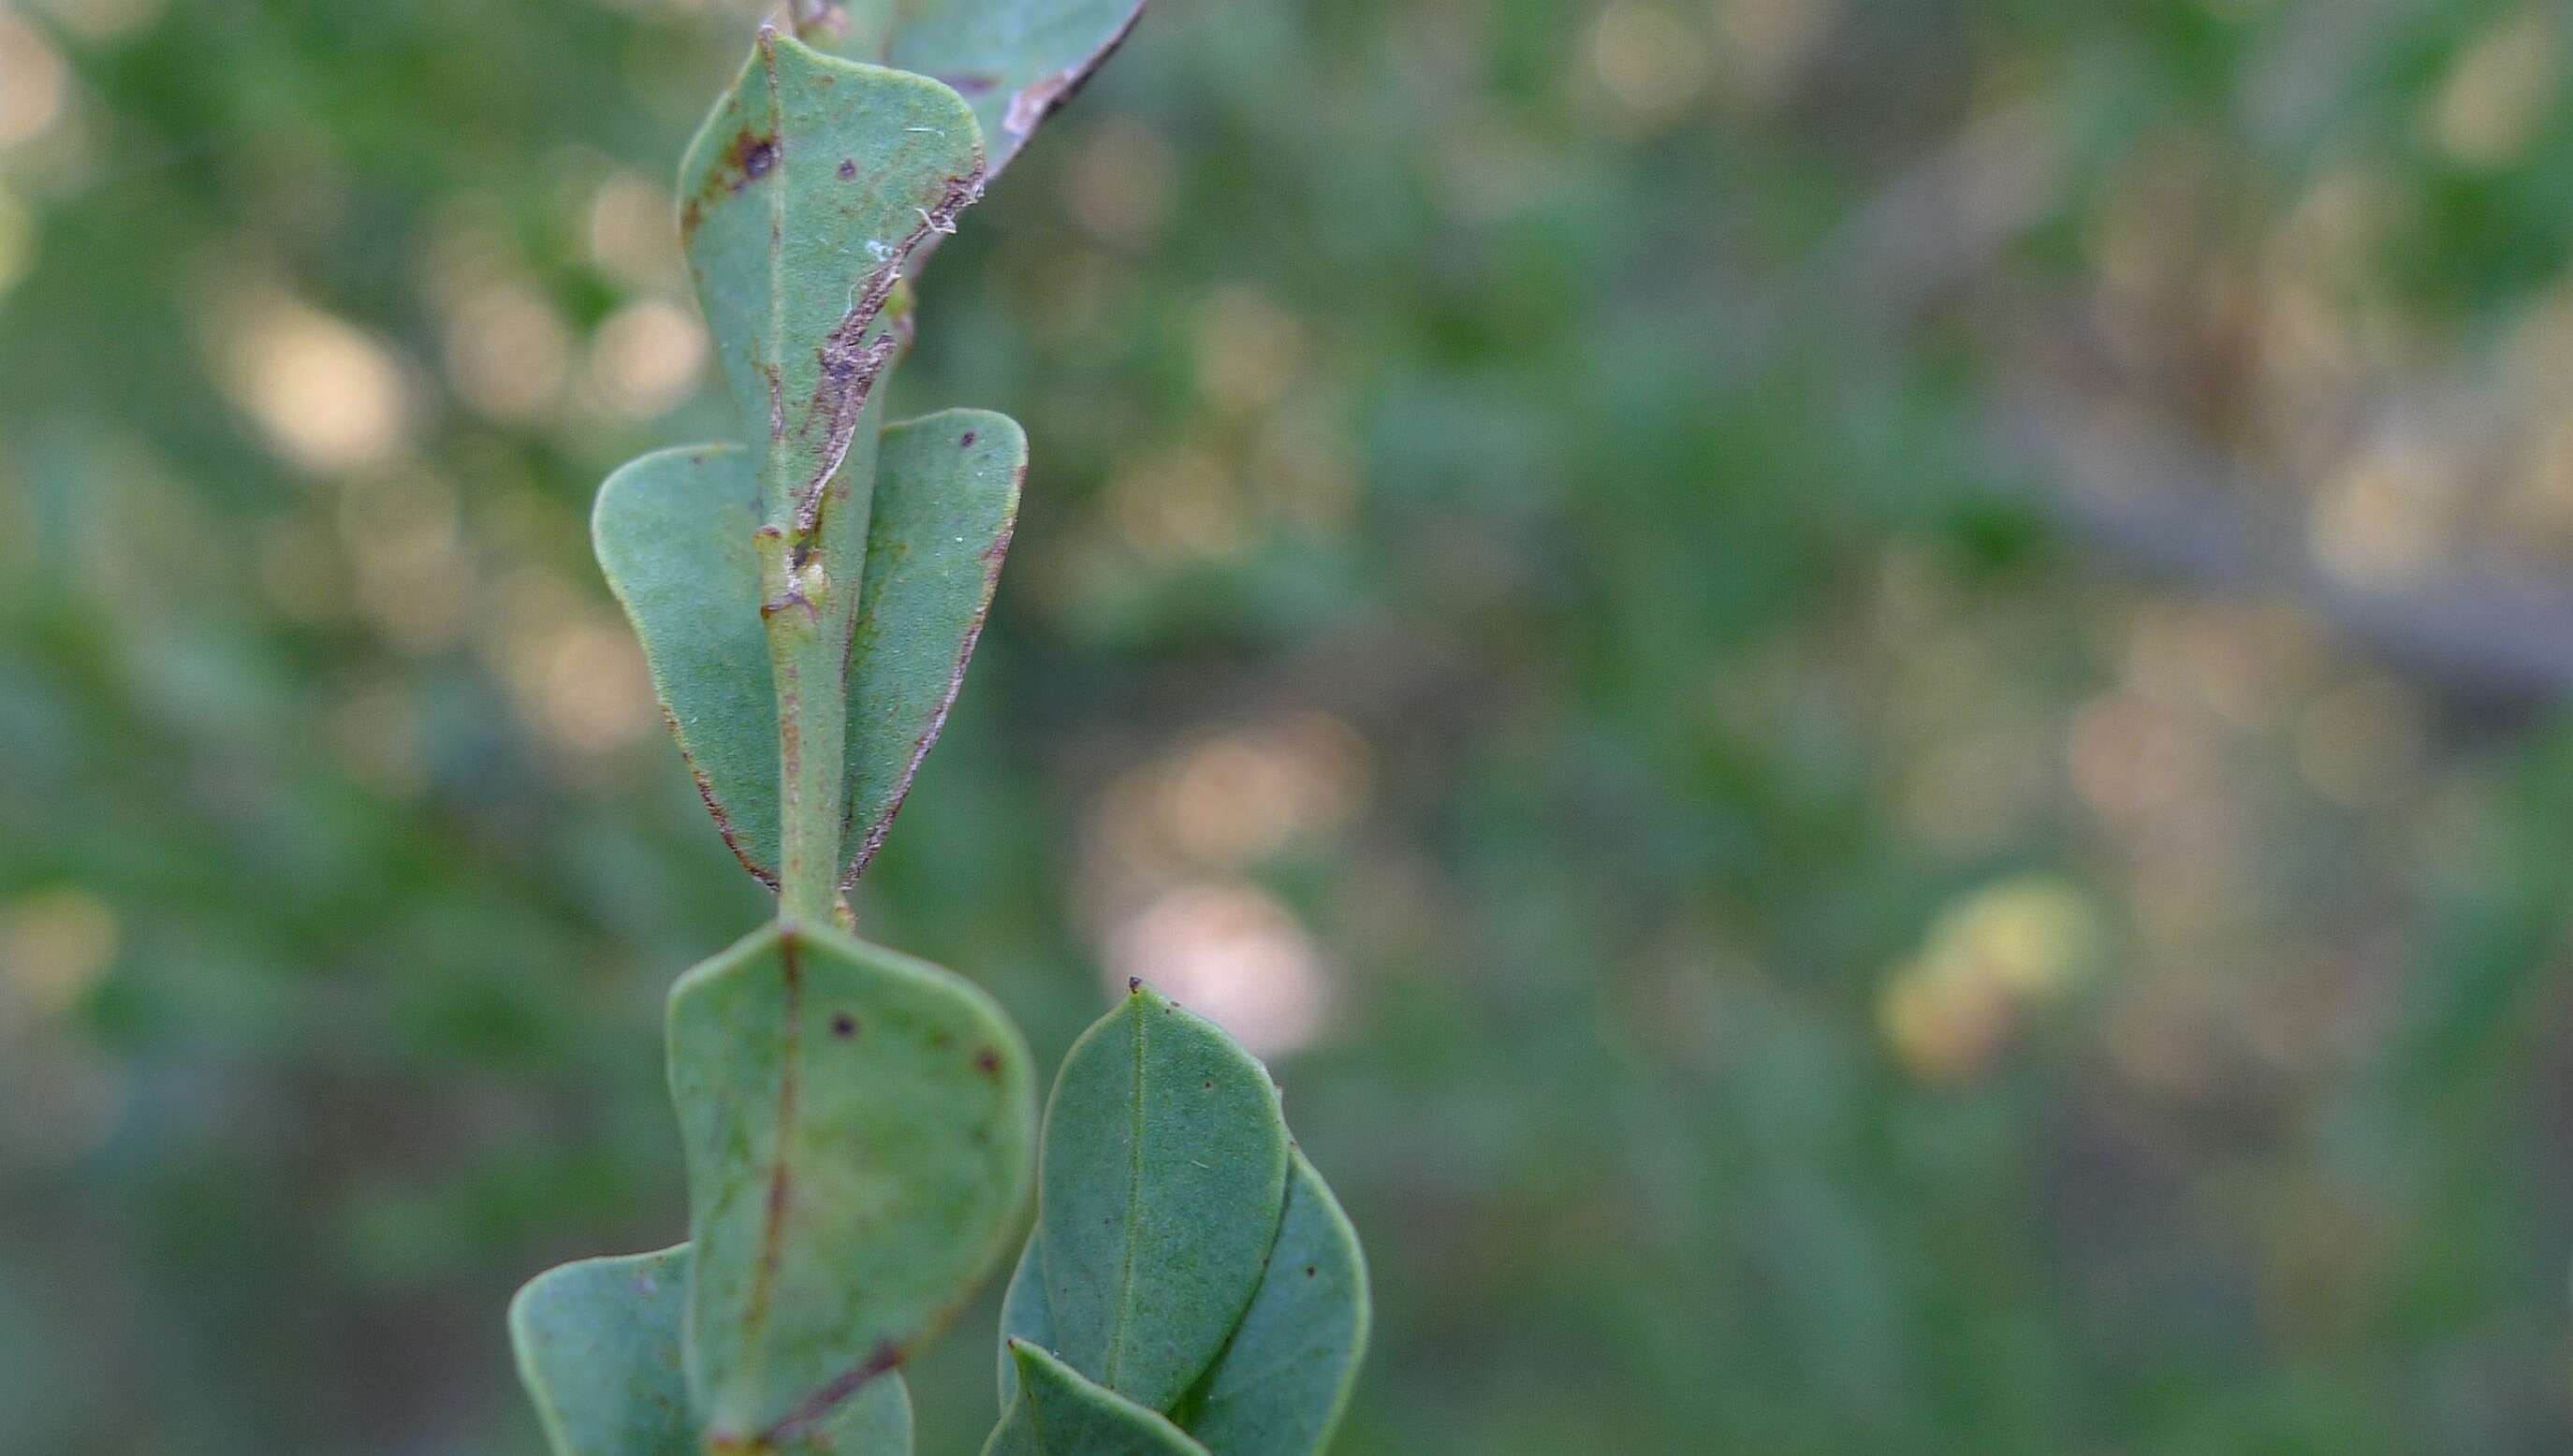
[34, 83]
[648, 357]
[1233, 954]
[327, 394]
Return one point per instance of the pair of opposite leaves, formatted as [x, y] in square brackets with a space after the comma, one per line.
[816, 182]
[842, 1201]
[829, 1238]
[1190, 1288]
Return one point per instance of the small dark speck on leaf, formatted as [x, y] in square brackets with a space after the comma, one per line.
[844, 1025]
[968, 440]
[1308, 1272]
[988, 1062]
[1209, 1087]
[848, 171]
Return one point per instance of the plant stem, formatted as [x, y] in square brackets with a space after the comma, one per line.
[807, 645]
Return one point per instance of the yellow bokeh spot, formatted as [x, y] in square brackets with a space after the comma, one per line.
[2499, 92]
[55, 944]
[1948, 1012]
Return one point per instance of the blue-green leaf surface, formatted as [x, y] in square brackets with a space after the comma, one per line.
[672, 531]
[804, 195]
[1059, 1413]
[1015, 61]
[1024, 1316]
[947, 499]
[1283, 1382]
[857, 1125]
[1162, 1173]
[598, 1344]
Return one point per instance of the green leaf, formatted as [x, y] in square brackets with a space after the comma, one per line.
[672, 531]
[1014, 60]
[1283, 1382]
[1024, 1316]
[1163, 1170]
[876, 1421]
[804, 194]
[1058, 1413]
[857, 1126]
[947, 497]
[598, 1345]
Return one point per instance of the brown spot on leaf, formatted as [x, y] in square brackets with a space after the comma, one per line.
[747, 157]
[1308, 1272]
[967, 442]
[844, 1026]
[849, 170]
[988, 1062]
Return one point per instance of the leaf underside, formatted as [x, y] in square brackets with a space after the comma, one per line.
[1013, 62]
[672, 531]
[1162, 1168]
[1059, 1413]
[946, 502]
[1284, 1380]
[600, 1348]
[857, 1126]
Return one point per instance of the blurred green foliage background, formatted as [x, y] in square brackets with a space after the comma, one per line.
[1861, 692]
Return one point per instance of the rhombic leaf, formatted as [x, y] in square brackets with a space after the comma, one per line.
[674, 532]
[857, 1127]
[598, 1346]
[1058, 1413]
[803, 196]
[1014, 60]
[947, 499]
[1283, 1382]
[1163, 1170]
[1282, 1376]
